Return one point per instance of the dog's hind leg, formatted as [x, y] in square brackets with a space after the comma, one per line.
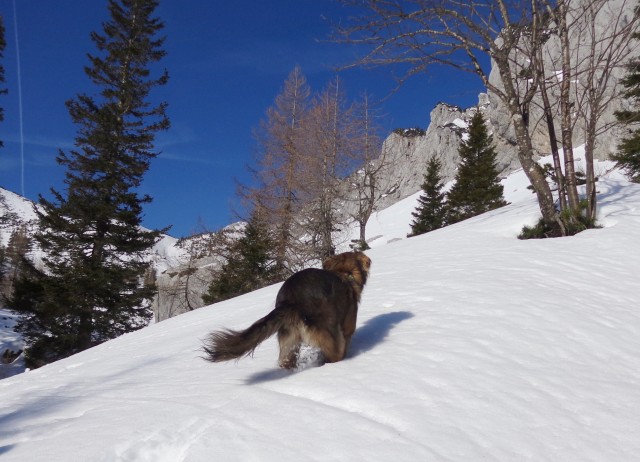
[289, 340]
[331, 342]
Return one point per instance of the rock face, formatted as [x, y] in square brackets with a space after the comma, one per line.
[586, 53]
[407, 152]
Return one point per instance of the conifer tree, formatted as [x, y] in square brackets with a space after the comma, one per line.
[249, 265]
[94, 244]
[628, 155]
[477, 188]
[431, 211]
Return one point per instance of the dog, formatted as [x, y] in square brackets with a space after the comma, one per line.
[317, 307]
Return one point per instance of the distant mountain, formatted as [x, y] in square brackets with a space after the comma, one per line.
[169, 255]
[15, 212]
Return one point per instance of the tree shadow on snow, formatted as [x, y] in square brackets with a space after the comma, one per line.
[366, 337]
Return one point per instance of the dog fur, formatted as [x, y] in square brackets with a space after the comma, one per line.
[317, 307]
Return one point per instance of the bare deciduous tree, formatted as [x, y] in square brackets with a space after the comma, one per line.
[325, 136]
[599, 69]
[280, 167]
[367, 152]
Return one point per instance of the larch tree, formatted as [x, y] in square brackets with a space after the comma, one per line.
[431, 212]
[92, 289]
[326, 160]
[280, 171]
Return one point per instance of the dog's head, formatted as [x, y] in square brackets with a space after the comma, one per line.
[351, 266]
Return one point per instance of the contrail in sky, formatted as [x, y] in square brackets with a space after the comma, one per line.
[15, 29]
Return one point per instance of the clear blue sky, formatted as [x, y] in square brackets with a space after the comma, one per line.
[227, 60]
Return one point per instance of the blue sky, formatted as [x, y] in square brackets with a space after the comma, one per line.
[227, 61]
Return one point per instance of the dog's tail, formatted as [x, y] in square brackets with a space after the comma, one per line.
[230, 344]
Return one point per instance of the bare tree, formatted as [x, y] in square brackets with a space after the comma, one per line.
[180, 288]
[324, 156]
[585, 44]
[366, 151]
[280, 168]
[599, 68]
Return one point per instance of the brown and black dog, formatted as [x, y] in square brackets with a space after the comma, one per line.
[317, 307]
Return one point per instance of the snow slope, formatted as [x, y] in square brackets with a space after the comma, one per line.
[15, 211]
[471, 345]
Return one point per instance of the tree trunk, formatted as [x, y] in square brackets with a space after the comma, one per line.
[534, 172]
[553, 138]
[566, 108]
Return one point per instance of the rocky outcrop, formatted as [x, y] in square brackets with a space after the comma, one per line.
[407, 152]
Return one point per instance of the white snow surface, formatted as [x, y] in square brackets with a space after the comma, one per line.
[12, 343]
[14, 204]
[471, 345]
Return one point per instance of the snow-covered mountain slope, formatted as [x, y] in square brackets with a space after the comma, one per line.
[15, 211]
[471, 345]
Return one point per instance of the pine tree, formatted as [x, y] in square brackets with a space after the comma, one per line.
[628, 156]
[477, 188]
[431, 211]
[94, 243]
[249, 266]
[47, 340]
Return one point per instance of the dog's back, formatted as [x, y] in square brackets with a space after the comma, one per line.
[318, 296]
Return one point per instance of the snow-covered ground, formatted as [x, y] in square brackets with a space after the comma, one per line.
[10, 344]
[471, 345]
[12, 204]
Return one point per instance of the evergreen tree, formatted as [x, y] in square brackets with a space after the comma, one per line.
[47, 339]
[94, 243]
[628, 156]
[477, 188]
[249, 265]
[431, 211]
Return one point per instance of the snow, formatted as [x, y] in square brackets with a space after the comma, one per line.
[460, 123]
[471, 345]
[14, 204]
[11, 343]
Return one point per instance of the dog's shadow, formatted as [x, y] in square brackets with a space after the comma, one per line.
[373, 332]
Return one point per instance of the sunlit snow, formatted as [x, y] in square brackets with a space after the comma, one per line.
[471, 345]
